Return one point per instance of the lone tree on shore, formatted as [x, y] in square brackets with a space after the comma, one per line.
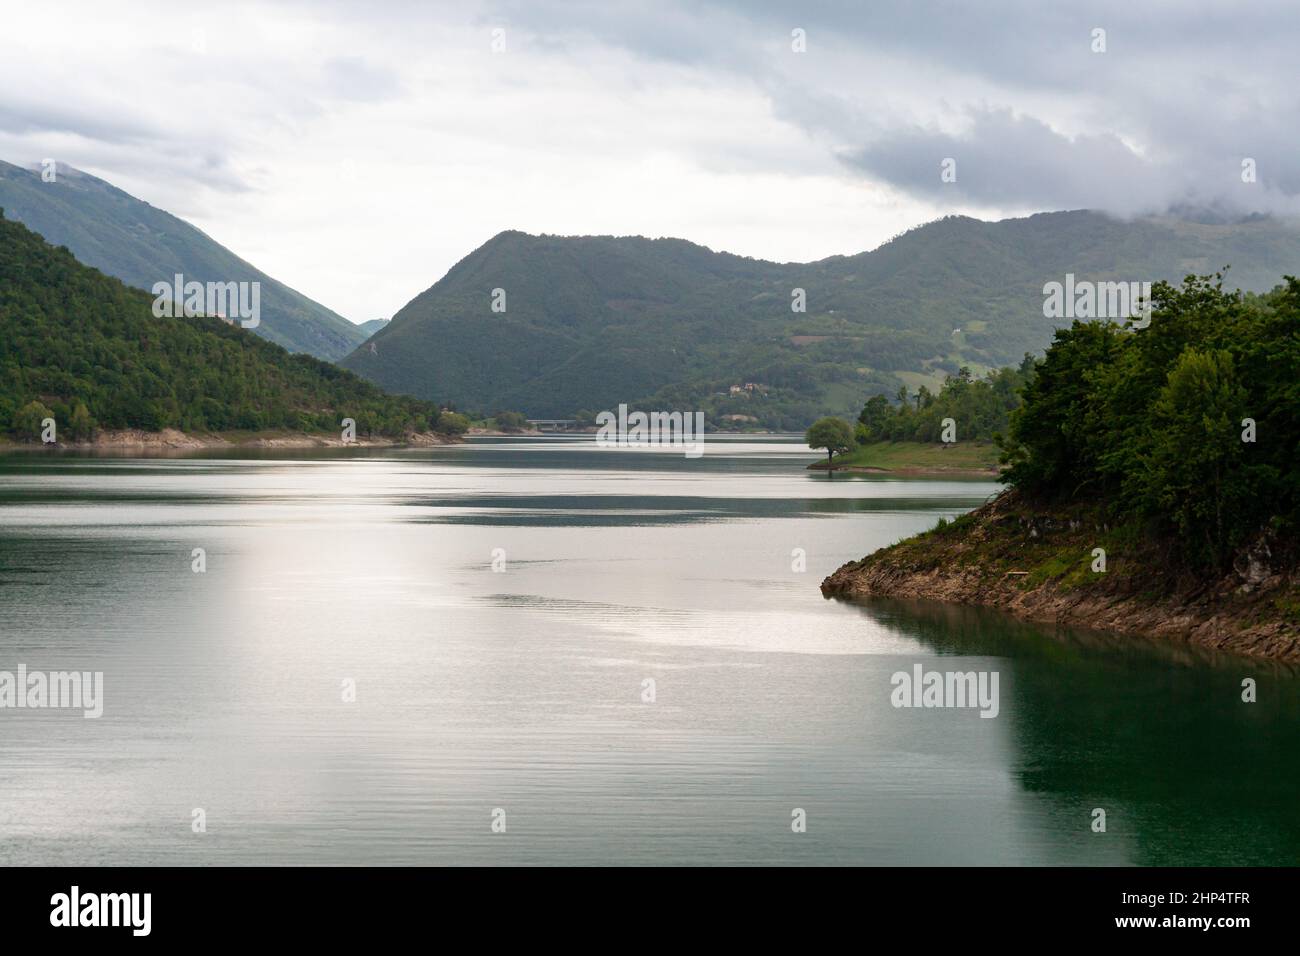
[833, 434]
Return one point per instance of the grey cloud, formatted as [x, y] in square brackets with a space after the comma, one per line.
[352, 78]
[1185, 91]
[1006, 160]
[1196, 87]
[35, 117]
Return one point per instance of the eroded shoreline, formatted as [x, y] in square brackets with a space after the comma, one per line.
[1038, 565]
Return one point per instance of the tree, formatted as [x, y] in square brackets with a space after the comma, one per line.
[980, 407]
[833, 434]
[873, 416]
[511, 421]
[1193, 474]
[453, 423]
[81, 425]
[27, 423]
[1188, 426]
[1047, 445]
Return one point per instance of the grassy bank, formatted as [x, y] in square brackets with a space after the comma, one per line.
[917, 458]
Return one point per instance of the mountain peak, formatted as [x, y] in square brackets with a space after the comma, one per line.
[589, 322]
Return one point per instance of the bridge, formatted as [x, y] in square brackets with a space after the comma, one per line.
[554, 424]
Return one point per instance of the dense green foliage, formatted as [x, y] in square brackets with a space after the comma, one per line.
[1192, 424]
[510, 421]
[666, 324]
[979, 408]
[124, 237]
[87, 350]
[833, 434]
[453, 423]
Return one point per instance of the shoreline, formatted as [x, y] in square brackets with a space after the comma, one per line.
[915, 459]
[1036, 565]
[913, 472]
[171, 439]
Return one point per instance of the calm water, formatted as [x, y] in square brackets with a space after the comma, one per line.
[522, 688]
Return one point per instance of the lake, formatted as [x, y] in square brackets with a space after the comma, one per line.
[527, 651]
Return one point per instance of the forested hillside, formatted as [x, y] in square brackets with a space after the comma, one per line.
[585, 323]
[86, 349]
[125, 237]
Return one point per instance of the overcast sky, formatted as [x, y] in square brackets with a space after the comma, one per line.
[357, 151]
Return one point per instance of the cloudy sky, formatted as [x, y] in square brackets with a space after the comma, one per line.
[357, 150]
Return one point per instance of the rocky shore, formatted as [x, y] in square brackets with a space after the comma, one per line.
[1042, 565]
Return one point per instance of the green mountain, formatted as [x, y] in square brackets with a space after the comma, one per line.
[370, 328]
[128, 238]
[87, 350]
[593, 321]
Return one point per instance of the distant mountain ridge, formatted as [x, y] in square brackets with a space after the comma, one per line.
[593, 321]
[125, 237]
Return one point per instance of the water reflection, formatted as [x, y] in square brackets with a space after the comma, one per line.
[523, 688]
[1155, 732]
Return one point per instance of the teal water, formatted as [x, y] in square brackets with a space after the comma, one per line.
[522, 689]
